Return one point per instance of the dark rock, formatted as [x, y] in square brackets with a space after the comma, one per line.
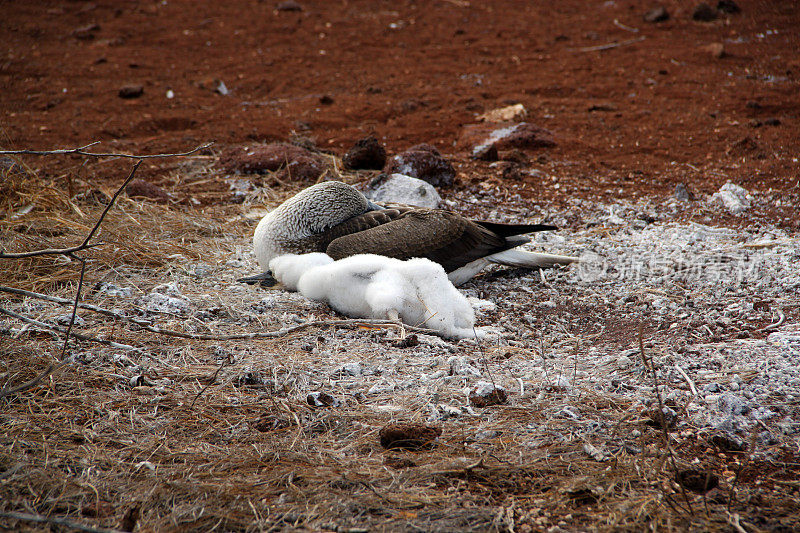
[683, 193]
[409, 436]
[728, 6]
[527, 136]
[326, 99]
[366, 154]
[87, 32]
[696, 480]
[665, 418]
[728, 443]
[755, 123]
[302, 169]
[423, 162]
[657, 14]
[131, 91]
[486, 394]
[263, 158]
[398, 462]
[321, 399]
[425, 147]
[602, 107]
[409, 342]
[486, 152]
[142, 188]
[288, 5]
[704, 13]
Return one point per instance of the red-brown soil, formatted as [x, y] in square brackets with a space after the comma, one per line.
[630, 120]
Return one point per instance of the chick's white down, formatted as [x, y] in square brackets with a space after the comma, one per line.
[416, 291]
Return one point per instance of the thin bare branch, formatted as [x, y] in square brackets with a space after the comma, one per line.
[55, 520]
[608, 46]
[10, 391]
[85, 244]
[82, 151]
[57, 329]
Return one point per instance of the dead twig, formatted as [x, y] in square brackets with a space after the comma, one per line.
[210, 382]
[10, 391]
[55, 520]
[608, 46]
[79, 336]
[82, 151]
[85, 243]
[661, 417]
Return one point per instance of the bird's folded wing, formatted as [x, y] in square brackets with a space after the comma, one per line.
[441, 236]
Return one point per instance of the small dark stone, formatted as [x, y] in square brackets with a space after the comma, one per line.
[423, 162]
[288, 5]
[527, 136]
[683, 193]
[409, 342]
[772, 122]
[666, 418]
[142, 188]
[409, 436]
[752, 104]
[302, 169]
[131, 91]
[326, 99]
[496, 396]
[657, 14]
[697, 481]
[265, 158]
[486, 152]
[603, 107]
[728, 443]
[321, 399]
[425, 147]
[704, 13]
[728, 6]
[367, 154]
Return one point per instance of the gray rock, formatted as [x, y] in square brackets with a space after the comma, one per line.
[459, 366]
[732, 404]
[683, 193]
[402, 189]
[732, 197]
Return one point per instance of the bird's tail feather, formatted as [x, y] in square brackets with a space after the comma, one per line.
[525, 259]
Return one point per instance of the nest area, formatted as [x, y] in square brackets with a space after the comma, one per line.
[160, 432]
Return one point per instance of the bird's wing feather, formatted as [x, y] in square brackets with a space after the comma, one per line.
[441, 236]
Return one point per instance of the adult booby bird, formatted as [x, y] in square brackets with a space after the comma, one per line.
[335, 218]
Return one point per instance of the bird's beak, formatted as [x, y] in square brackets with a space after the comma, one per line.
[372, 206]
[265, 279]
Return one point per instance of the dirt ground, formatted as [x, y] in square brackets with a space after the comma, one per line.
[635, 108]
[629, 121]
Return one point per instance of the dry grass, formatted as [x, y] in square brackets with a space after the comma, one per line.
[202, 443]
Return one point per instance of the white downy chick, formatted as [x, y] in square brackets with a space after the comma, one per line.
[416, 291]
[288, 268]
